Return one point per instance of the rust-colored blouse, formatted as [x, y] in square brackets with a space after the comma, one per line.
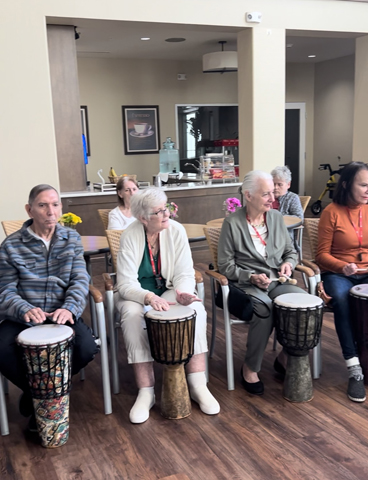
[338, 242]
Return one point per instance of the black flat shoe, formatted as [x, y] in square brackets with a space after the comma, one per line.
[252, 388]
[279, 368]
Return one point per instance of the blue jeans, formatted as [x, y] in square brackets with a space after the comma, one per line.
[337, 285]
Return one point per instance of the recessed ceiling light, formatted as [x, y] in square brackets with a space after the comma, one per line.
[175, 40]
[145, 38]
[311, 56]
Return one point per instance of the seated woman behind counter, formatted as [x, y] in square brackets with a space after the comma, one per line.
[287, 203]
[343, 258]
[121, 216]
[254, 248]
[151, 249]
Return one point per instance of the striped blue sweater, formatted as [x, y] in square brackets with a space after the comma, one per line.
[32, 277]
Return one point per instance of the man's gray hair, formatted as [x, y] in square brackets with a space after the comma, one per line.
[145, 201]
[250, 182]
[282, 173]
[33, 194]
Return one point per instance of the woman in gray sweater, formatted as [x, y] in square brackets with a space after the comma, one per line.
[255, 248]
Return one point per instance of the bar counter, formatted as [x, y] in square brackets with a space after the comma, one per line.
[198, 203]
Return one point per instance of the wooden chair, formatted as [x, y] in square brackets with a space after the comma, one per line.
[101, 340]
[113, 238]
[212, 236]
[11, 226]
[304, 200]
[104, 215]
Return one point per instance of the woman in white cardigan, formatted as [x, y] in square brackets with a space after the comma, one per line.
[155, 269]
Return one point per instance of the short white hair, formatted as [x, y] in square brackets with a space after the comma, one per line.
[250, 182]
[143, 202]
[282, 173]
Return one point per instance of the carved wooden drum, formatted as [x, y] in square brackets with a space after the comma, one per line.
[298, 322]
[47, 352]
[359, 320]
[171, 337]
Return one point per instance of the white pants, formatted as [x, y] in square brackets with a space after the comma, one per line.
[135, 335]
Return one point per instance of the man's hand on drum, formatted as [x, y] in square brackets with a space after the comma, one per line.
[35, 315]
[159, 303]
[285, 270]
[186, 298]
[61, 316]
[350, 269]
[260, 281]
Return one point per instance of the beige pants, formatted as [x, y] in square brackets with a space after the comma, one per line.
[135, 336]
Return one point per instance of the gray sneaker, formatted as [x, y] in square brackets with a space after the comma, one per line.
[356, 389]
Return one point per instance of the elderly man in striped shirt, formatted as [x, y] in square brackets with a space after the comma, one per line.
[43, 278]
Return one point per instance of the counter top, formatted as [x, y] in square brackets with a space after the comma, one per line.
[166, 188]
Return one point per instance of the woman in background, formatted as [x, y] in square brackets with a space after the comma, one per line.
[287, 203]
[121, 216]
[343, 258]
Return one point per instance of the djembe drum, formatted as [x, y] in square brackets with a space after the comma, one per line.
[171, 339]
[359, 318]
[298, 322]
[47, 352]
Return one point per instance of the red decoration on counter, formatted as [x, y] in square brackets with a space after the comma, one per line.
[226, 143]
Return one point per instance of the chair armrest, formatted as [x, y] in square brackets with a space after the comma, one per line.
[109, 284]
[198, 276]
[218, 277]
[96, 294]
[312, 265]
[306, 270]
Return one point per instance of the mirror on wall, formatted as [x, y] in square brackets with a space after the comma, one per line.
[199, 126]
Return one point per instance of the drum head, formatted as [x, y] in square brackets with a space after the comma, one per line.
[174, 313]
[360, 290]
[298, 300]
[45, 335]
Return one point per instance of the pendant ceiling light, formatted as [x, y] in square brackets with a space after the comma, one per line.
[220, 62]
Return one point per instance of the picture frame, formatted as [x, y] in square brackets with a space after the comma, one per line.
[85, 131]
[141, 129]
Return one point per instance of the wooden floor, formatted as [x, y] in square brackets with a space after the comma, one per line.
[252, 437]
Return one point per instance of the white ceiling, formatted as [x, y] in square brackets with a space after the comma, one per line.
[113, 39]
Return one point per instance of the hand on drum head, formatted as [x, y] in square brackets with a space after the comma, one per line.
[35, 315]
[159, 303]
[186, 298]
[350, 269]
[61, 316]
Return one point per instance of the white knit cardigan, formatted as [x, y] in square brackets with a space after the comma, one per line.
[176, 261]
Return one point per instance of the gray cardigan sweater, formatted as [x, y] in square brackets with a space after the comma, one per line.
[238, 258]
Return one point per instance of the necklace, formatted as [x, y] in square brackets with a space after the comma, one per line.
[259, 225]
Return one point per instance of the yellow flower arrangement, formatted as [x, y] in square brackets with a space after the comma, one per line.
[69, 219]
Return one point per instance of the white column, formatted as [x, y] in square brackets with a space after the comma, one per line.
[261, 97]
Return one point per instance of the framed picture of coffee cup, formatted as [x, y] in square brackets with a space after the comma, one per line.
[141, 129]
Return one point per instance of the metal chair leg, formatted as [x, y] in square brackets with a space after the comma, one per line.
[214, 318]
[4, 425]
[104, 357]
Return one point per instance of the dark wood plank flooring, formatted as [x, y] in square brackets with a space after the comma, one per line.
[252, 437]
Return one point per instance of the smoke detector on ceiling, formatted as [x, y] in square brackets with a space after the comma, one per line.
[220, 62]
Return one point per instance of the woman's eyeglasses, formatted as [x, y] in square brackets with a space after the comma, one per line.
[160, 212]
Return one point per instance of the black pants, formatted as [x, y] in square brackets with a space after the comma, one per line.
[11, 360]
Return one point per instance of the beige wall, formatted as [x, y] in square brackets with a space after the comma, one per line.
[106, 85]
[300, 89]
[27, 140]
[333, 116]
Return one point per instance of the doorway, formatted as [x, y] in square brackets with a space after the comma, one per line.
[295, 145]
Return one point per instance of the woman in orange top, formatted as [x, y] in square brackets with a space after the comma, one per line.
[343, 257]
